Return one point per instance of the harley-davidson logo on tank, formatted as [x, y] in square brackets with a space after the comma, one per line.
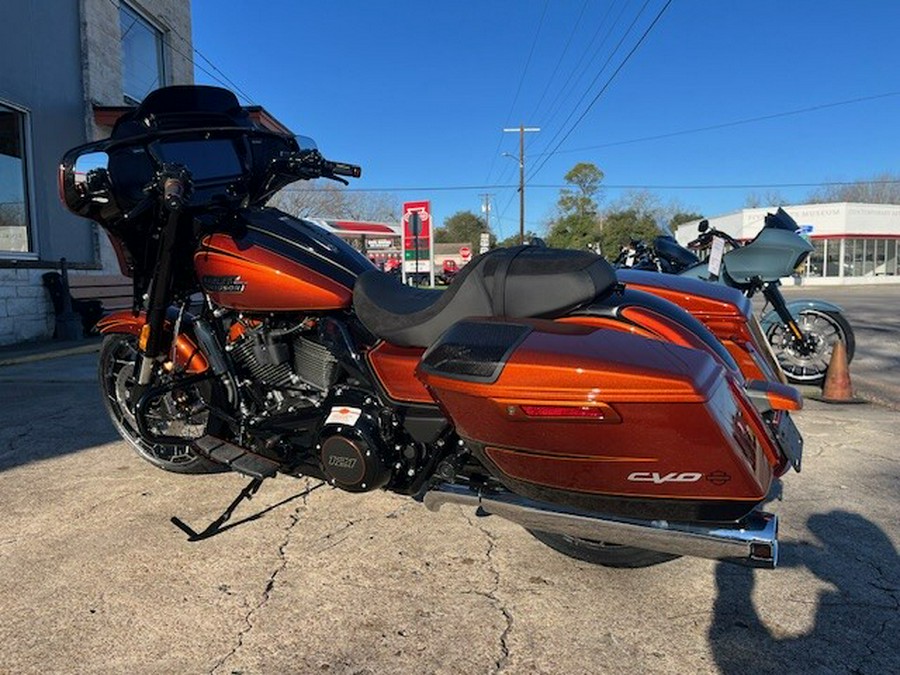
[226, 284]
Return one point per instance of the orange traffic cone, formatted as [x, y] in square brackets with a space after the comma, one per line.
[837, 387]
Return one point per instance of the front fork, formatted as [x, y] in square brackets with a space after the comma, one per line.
[773, 295]
[151, 338]
[174, 185]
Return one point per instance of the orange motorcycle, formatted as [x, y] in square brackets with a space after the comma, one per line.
[620, 423]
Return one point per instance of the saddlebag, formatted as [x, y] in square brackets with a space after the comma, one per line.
[601, 418]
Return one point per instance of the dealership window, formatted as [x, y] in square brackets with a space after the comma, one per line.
[816, 262]
[143, 62]
[833, 258]
[14, 212]
[890, 264]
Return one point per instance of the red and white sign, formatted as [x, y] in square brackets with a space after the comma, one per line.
[424, 211]
[465, 252]
[418, 247]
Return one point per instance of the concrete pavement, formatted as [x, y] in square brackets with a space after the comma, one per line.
[95, 578]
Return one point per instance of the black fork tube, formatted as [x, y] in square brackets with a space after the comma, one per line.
[159, 298]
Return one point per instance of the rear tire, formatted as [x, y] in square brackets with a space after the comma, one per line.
[826, 328]
[117, 356]
[601, 553]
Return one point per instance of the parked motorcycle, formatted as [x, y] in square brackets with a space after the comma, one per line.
[608, 421]
[801, 332]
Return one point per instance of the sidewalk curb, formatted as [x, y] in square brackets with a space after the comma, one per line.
[53, 354]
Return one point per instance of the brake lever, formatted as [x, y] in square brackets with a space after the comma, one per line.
[337, 178]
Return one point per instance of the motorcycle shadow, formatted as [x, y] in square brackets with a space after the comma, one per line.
[856, 624]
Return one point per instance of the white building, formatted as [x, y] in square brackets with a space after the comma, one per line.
[854, 243]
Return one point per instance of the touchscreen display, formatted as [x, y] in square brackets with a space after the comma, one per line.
[212, 159]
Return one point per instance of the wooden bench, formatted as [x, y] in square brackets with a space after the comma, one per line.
[112, 290]
[90, 297]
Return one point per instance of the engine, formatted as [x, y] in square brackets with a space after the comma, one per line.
[285, 369]
[350, 446]
[292, 391]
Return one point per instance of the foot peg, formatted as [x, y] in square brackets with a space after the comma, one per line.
[237, 458]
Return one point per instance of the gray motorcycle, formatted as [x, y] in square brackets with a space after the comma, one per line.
[803, 332]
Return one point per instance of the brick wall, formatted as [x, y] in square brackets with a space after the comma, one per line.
[26, 312]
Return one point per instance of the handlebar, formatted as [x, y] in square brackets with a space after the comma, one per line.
[342, 169]
[310, 164]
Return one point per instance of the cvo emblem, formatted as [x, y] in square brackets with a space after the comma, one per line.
[660, 478]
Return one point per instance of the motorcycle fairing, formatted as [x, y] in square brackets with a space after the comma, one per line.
[591, 413]
[774, 253]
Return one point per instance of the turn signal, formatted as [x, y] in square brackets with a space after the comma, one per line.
[600, 413]
[144, 337]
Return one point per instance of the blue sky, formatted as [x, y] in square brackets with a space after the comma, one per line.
[417, 92]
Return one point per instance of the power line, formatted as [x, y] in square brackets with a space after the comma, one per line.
[608, 83]
[614, 186]
[559, 61]
[554, 109]
[725, 125]
[519, 88]
[212, 65]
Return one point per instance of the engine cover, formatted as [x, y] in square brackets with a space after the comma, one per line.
[351, 452]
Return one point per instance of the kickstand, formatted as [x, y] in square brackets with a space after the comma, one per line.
[215, 527]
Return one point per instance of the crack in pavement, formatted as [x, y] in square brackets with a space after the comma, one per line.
[890, 592]
[270, 582]
[491, 595]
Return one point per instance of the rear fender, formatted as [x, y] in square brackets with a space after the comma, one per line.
[188, 356]
[795, 307]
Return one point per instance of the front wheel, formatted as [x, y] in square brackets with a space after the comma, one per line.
[807, 364]
[601, 553]
[181, 415]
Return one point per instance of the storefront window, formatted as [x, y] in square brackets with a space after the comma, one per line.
[816, 262]
[833, 258]
[890, 263]
[869, 256]
[14, 217]
[849, 254]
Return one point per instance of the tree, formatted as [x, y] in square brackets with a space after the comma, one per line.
[582, 201]
[620, 227]
[577, 224]
[883, 188]
[683, 217]
[756, 200]
[513, 240]
[327, 200]
[574, 231]
[462, 227]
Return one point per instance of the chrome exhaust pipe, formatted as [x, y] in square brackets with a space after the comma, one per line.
[752, 541]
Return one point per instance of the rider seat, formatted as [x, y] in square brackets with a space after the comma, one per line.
[518, 282]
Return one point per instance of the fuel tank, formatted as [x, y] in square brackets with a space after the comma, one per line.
[268, 261]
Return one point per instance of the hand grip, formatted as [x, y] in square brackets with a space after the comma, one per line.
[173, 193]
[343, 169]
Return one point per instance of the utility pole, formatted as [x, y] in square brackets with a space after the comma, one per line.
[486, 207]
[522, 129]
